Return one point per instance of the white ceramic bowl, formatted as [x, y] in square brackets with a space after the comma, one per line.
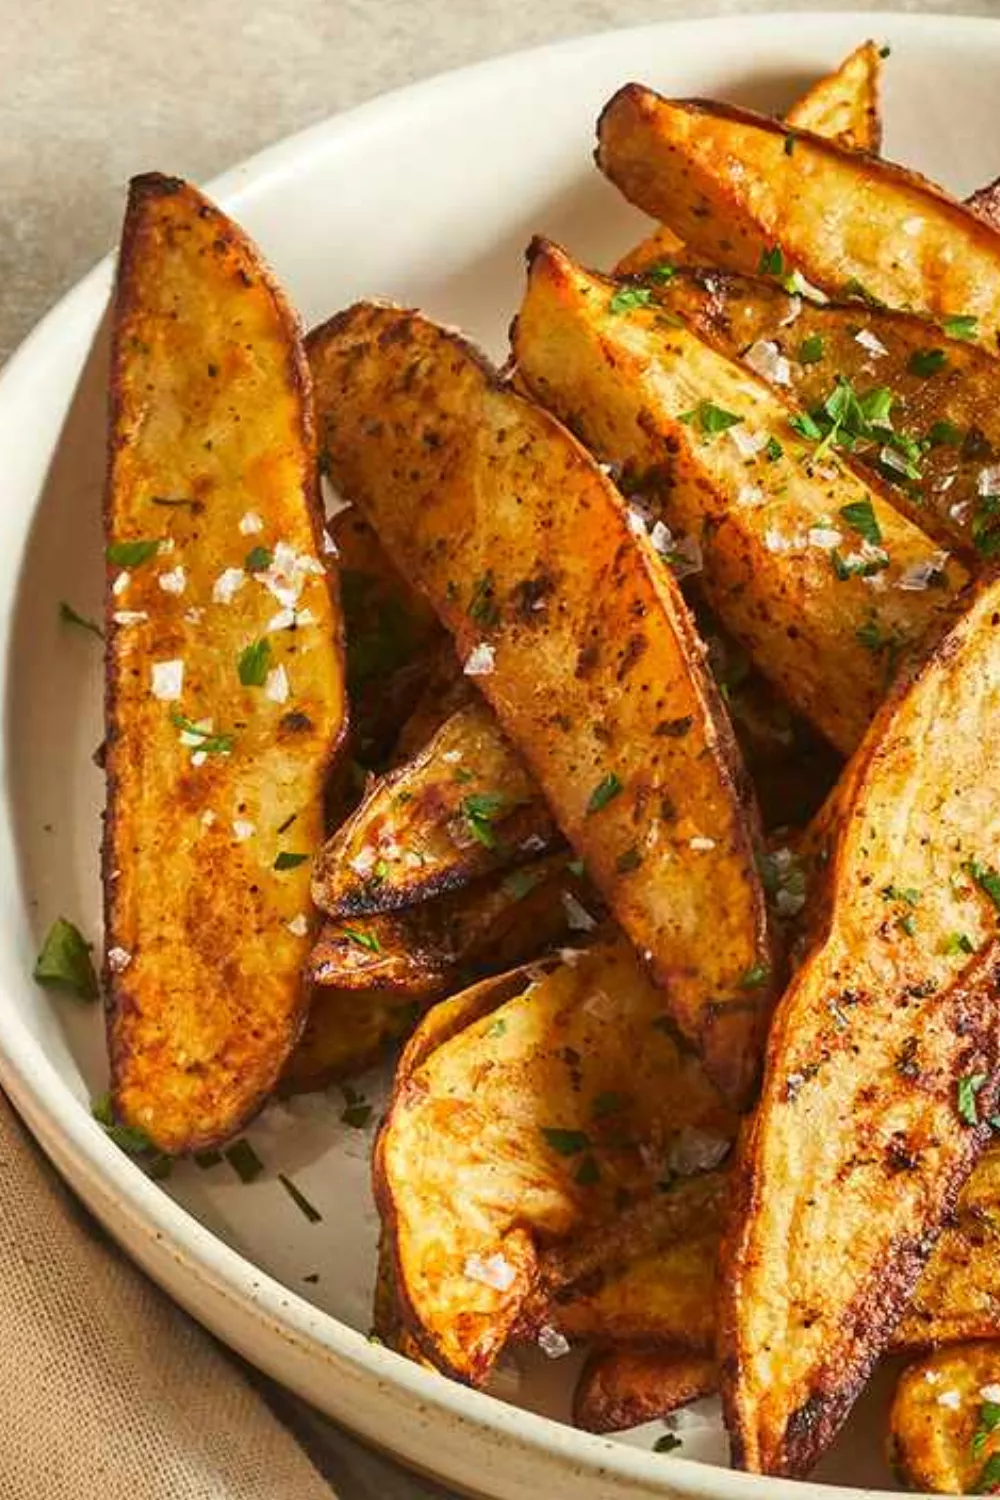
[429, 196]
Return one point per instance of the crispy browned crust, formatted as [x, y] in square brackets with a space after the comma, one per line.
[594, 647]
[209, 1003]
[722, 179]
[845, 106]
[834, 1213]
[985, 202]
[626, 1385]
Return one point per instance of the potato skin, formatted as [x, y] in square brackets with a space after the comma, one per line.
[210, 422]
[625, 1386]
[726, 182]
[861, 1141]
[524, 549]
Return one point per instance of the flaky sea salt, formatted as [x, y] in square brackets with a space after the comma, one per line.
[299, 925]
[695, 1151]
[496, 1272]
[251, 523]
[578, 919]
[481, 661]
[825, 536]
[552, 1343]
[766, 360]
[174, 582]
[120, 584]
[242, 830]
[921, 575]
[950, 1399]
[129, 616]
[118, 959]
[700, 844]
[228, 585]
[276, 686]
[871, 342]
[167, 680]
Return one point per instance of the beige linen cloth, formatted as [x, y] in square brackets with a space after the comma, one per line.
[108, 1391]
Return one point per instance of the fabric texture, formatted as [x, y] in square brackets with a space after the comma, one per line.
[109, 1391]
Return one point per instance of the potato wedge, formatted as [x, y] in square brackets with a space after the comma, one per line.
[424, 950]
[525, 1125]
[881, 1061]
[624, 1387]
[945, 1422]
[580, 642]
[346, 1033]
[787, 538]
[985, 202]
[845, 106]
[733, 185]
[221, 719]
[463, 806]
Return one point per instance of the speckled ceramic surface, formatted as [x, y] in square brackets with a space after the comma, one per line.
[428, 196]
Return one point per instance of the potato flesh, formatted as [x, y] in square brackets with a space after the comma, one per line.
[728, 183]
[844, 106]
[883, 1019]
[581, 644]
[212, 455]
[770, 531]
[528, 1124]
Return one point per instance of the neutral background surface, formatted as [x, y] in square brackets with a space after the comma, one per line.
[92, 91]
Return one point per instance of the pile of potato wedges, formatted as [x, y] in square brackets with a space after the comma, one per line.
[623, 741]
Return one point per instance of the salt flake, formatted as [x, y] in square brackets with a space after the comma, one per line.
[481, 661]
[118, 959]
[496, 1272]
[276, 686]
[228, 585]
[167, 680]
[174, 582]
[242, 830]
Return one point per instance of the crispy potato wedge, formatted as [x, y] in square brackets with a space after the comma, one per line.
[985, 202]
[624, 1387]
[943, 1429]
[938, 446]
[580, 641]
[221, 721]
[958, 1296]
[497, 922]
[463, 806]
[880, 1061]
[732, 187]
[784, 563]
[845, 106]
[346, 1033]
[519, 1128]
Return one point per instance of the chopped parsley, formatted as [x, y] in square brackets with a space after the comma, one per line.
[871, 636]
[366, 940]
[754, 977]
[483, 606]
[773, 450]
[667, 1443]
[860, 517]
[357, 1111]
[520, 883]
[855, 288]
[711, 419]
[628, 861]
[968, 1102]
[907, 894]
[885, 51]
[204, 740]
[497, 1028]
[131, 1139]
[663, 271]
[565, 1142]
[805, 426]
[944, 434]
[966, 327]
[627, 297]
[811, 350]
[907, 924]
[607, 1103]
[480, 811]
[575, 867]
[926, 362]
[206, 1160]
[790, 140]
[588, 1172]
[958, 942]
[69, 616]
[244, 1160]
[131, 554]
[772, 262]
[988, 1479]
[288, 861]
[858, 567]
[254, 662]
[606, 790]
[65, 963]
[300, 1200]
[258, 560]
[985, 531]
[986, 878]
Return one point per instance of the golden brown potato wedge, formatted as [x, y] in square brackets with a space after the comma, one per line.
[462, 806]
[624, 1387]
[985, 202]
[945, 1422]
[345, 1033]
[221, 717]
[880, 1062]
[845, 106]
[734, 185]
[495, 923]
[816, 576]
[579, 640]
[525, 1125]
[936, 440]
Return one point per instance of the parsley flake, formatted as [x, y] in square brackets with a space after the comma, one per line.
[65, 963]
[663, 271]
[945, 435]
[667, 1443]
[588, 1172]
[565, 1142]
[360, 939]
[772, 262]
[811, 350]
[860, 517]
[357, 1111]
[988, 1479]
[958, 942]
[288, 861]
[773, 450]
[300, 1200]
[927, 362]
[805, 426]
[604, 792]
[203, 740]
[483, 606]
[967, 1101]
[69, 616]
[966, 327]
[254, 662]
[258, 560]
[986, 878]
[131, 554]
[711, 419]
[754, 977]
[628, 297]
[480, 811]
[244, 1160]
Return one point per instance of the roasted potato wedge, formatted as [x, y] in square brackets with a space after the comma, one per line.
[809, 570]
[945, 1422]
[221, 718]
[521, 1127]
[498, 922]
[345, 1033]
[461, 807]
[985, 202]
[845, 106]
[733, 185]
[937, 440]
[880, 1060]
[581, 643]
[624, 1387]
